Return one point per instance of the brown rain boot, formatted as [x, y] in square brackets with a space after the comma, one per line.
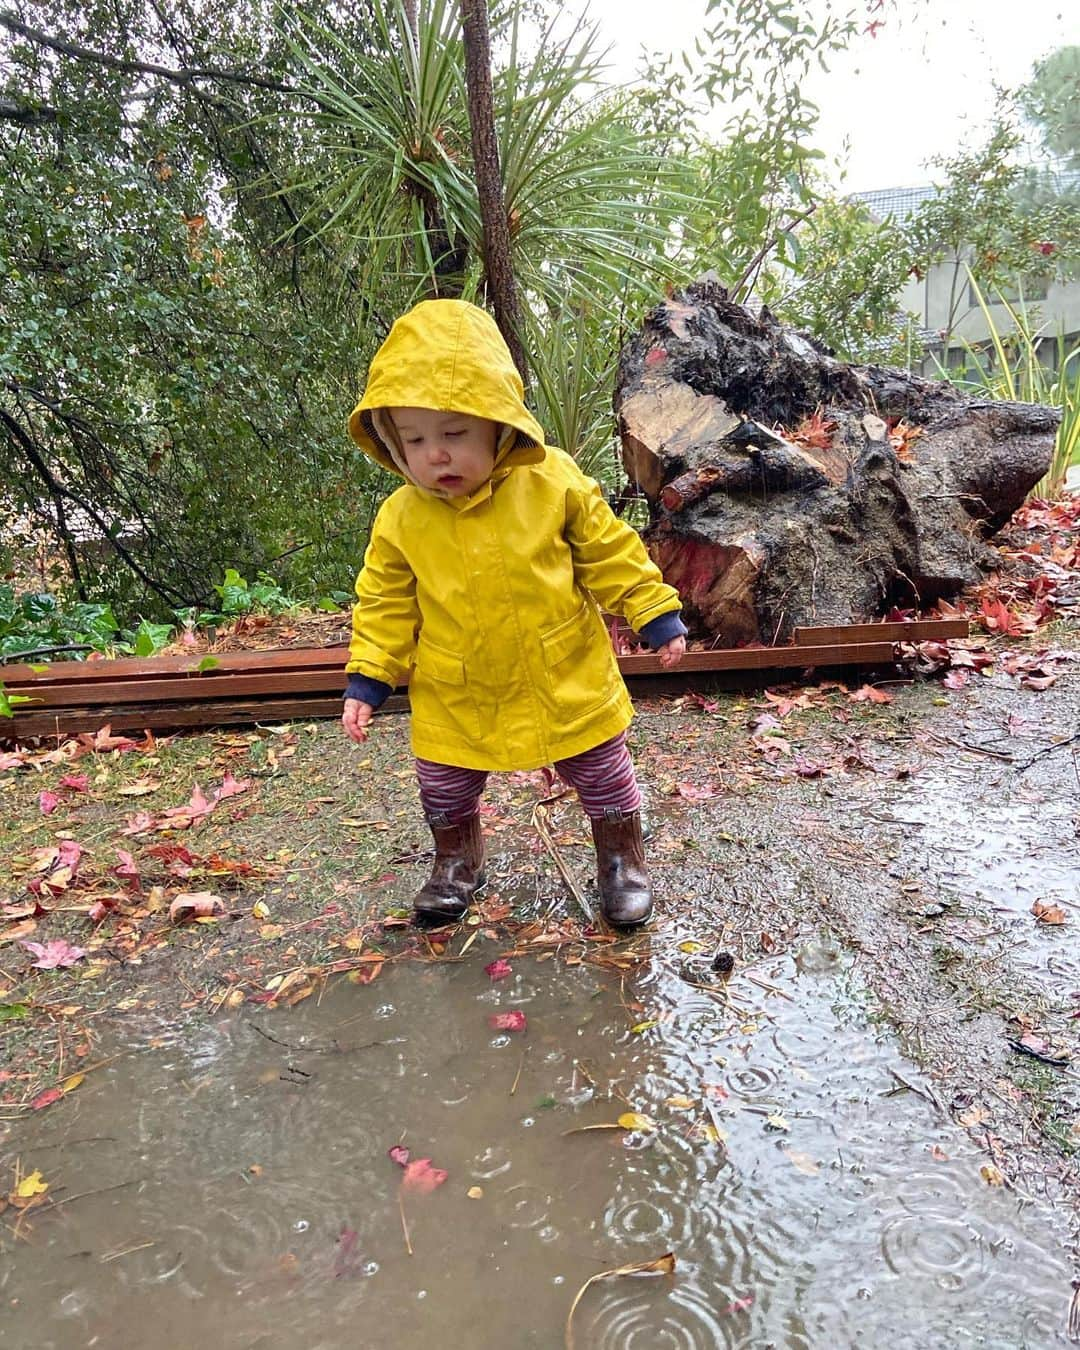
[625, 892]
[458, 871]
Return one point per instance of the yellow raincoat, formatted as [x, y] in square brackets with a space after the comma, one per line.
[489, 603]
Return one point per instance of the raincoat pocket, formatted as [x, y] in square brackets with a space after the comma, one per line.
[439, 694]
[581, 672]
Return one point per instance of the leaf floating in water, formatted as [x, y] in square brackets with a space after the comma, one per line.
[498, 970]
[644, 1026]
[777, 1122]
[663, 1265]
[507, 1021]
[421, 1178]
[1045, 913]
[634, 1120]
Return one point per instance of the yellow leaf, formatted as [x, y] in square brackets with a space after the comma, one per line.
[712, 1134]
[643, 1026]
[634, 1120]
[260, 910]
[691, 946]
[680, 1103]
[235, 999]
[271, 930]
[70, 1084]
[30, 1186]
[475, 1192]
[777, 1122]
[139, 789]
[991, 1175]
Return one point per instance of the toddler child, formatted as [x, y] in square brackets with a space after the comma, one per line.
[482, 581]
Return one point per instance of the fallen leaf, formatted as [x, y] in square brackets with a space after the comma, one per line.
[663, 1265]
[991, 1175]
[48, 802]
[498, 970]
[679, 1103]
[421, 1178]
[75, 782]
[196, 905]
[55, 954]
[46, 1098]
[644, 1026]
[777, 1122]
[31, 1185]
[634, 1120]
[140, 788]
[1047, 913]
[475, 1192]
[507, 1021]
[804, 1162]
[399, 1154]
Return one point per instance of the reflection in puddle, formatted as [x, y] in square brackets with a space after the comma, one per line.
[264, 1209]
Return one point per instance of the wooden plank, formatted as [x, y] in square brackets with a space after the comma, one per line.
[909, 630]
[159, 667]
[166, 716]
[328, 679]
[294, 699]
[185, 689]
[764, 658]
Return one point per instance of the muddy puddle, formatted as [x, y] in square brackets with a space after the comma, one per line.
[988, 844]
[810, 1198]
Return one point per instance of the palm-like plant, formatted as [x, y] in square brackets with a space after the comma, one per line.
[589, 201]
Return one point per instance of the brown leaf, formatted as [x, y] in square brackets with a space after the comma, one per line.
[196, 905]
[663, 1265]
[1047, 913]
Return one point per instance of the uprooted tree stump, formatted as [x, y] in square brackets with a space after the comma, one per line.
[786, 487]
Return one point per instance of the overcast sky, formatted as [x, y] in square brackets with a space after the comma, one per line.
[922, 87]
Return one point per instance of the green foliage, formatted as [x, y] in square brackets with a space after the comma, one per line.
[584, 191]
[982, 221]
[1051, 101]
[850, 270]
[1013, 367]
[263, 596]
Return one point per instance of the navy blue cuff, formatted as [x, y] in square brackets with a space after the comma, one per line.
[659, 631]
[367, 690]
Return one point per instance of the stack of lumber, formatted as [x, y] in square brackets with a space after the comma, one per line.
[169, 692]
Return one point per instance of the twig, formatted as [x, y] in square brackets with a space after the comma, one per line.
[404, 1225]
[927, 1094]
[1048, 750]
[539, 820]
[127, 1251]
[517, 1076]
[102, 1190]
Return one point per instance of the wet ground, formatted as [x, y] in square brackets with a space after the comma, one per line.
[810, 1197]
[866, 1137]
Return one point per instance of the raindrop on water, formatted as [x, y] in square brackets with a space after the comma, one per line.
[301, 1226]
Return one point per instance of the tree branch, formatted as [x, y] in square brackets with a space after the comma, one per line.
[181, 75]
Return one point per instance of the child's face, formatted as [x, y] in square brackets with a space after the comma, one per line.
[449, 452]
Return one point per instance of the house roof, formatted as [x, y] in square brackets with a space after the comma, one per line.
[898, 202]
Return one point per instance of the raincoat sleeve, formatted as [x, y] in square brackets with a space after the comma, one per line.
[386, 617]
[610, 559]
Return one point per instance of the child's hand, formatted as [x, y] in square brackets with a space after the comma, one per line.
[671, 653]
[355, 719]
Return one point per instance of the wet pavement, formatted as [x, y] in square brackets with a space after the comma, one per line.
[813, 1191]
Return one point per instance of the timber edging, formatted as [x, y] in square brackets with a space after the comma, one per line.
[299, 684]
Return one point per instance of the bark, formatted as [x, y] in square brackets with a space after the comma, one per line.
[765, 520]
[498, 269]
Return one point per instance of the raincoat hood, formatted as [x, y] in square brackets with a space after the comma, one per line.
[449, 356]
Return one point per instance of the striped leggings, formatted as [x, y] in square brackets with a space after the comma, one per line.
[603, 776]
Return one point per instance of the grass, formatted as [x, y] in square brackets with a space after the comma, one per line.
[1016, 374]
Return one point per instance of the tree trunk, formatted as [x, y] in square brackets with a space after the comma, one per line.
[787, 488]
[501, 286]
